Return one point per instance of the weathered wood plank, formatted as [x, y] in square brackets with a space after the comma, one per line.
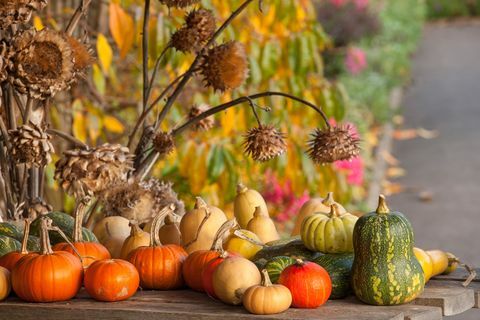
[461, 274]
[474, 285]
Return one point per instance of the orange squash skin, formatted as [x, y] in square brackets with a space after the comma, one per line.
[9, 260]
[193, 268]
[89, 251]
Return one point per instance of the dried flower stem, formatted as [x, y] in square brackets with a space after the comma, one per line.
[67, 137]
[146, 18]
[155, 71]
[81, 11]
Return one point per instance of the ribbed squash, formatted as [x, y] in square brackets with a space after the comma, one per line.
[330, 233]
[385, 270]
[339, 267]
[263, 226]
[315, 205]
[245, 203]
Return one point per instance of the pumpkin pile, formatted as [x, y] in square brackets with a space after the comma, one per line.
[331, 255]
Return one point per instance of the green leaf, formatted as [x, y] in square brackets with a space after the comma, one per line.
[216, 164]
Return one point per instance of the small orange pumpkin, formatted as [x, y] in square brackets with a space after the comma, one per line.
[47, 276]
[159, 266]
[9, 260]
[88, 251]
[111, 280]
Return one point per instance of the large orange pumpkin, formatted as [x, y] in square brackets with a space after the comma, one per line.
[47, 276]
[9, 260]
[160, 267]
[111, 280]
[88, 251]
[194, 264]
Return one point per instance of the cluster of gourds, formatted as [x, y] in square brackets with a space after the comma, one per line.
[241, 261]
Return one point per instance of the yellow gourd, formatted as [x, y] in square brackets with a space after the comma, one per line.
[439, 261]
[453, 263]
[233, 277]
[263, 226]
[5, 283]
[243, 242]
[315, 205]
[425, 262]
[200, 225]
[245, 203]
[137, 238]
[112, 232]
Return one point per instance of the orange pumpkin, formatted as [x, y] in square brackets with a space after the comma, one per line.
[88, 251]
[9, 260]
[47, 276]
[111, 280]
[160, 267]
[194, 264]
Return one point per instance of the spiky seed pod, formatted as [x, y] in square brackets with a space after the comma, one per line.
[31, 145]
[82, 55]
[186, 40]
[92, 171]
[225, 67]
[179, 3]
[203, 21]
[38, 207]
[141, 201]
[333, 144]
[18, 11]
[204, 124]
[164, 143]
[43, 63]
[264, 142]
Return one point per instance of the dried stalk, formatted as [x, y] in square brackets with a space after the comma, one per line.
[146, 17]
[81, 11]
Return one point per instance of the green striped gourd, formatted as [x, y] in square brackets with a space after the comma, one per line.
[276, 265]
[8, 244]
[339, 267]
[329, 233]
[10, 230]
[385, 270]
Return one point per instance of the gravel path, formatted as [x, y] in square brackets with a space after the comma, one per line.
[444, 96]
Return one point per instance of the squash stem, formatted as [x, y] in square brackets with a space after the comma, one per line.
[328, 201]
[266, 282]
[26, 231]
[46, 248]
[157, 224]
[334, 210]
[79, 213]
[299, 262]
[382, 205]
[222, 231]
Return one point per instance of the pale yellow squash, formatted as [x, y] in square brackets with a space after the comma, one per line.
[245, 203]
[263, 226]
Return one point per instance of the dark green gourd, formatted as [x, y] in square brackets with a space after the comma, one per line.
[339, 267]
[385, 270]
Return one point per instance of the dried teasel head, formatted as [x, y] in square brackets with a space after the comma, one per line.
[43, 63]
[141, 201]
[82, 54]
[225, 67]
[31, 145]
[204, 124]
[333, 144]
[199, 27]
[264, 142]
[179, 3]
[93, 171]
[18, 11]
[164, 143]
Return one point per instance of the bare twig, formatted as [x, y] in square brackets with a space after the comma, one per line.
[81, 11]
[155, 71]
[68, 138]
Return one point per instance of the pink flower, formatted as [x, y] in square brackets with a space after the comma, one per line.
[361, 4]
[356, 60]
[338, 3]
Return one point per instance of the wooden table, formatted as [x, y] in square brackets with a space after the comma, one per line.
[443, 296]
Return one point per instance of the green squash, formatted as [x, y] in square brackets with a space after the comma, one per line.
[33, 243]
[339, 267]
[8, 244]
[10, 230]
[385, 270]
[291, 248]
[66, 223]
[276, 265]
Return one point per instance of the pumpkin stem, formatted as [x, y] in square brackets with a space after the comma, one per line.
[328, 201]
[382, 205]
[79, 213]
[334, 212]
[45, 224]
[266, 282]
[299, 262]
[157, 224]
[222, 231]
[259, 212]
[200, 203]
[26, 231]
[241, 188]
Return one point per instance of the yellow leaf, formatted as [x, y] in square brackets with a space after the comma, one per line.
[37, 23]
[112, 124]
[79, 126]
[122, 28]
[105, 53]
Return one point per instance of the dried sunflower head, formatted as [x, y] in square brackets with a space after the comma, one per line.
[31, 145]
[179, 3]
[82, 55]
[225, 67]
[92, 171]
[204, 124]
[333, 144]
[43, 63]
[18, 11]
[264, 142]
[164, 143]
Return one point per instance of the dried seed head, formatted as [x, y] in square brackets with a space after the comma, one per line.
[203, 21]
[225, 67]
[18, 11]
[164, 143]
[333, 144]
[186, 40]
[264, 142]
[93, 171]
[82, 55]
[4, 61]
[43, 63]
[38, 207]
[31, 145]
[179, 3]
[204, 124]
